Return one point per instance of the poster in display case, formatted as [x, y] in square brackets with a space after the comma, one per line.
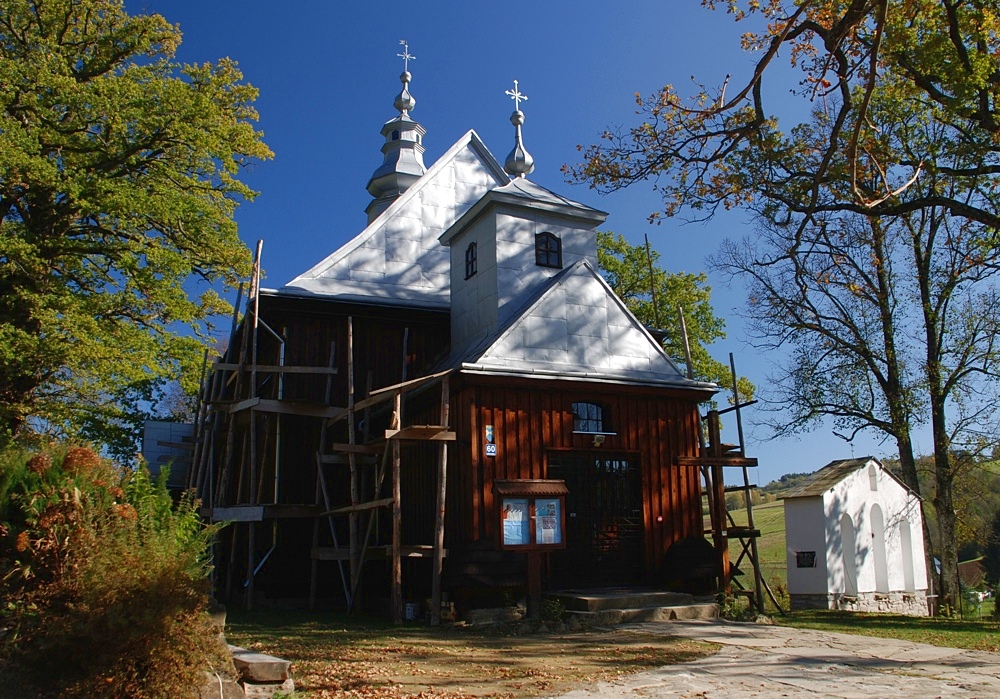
[532, 514]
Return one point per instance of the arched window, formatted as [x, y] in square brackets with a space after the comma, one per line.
[872, 477]
[849, 555]
[878, 549]
[906, 548]
[471, 259]
[548, 250]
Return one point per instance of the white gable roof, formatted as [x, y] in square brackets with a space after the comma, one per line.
[398, 258]
[576, 328]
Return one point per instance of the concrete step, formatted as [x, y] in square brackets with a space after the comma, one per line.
[618, 599]
[607, 617]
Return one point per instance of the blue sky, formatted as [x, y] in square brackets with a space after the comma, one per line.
[328, 72]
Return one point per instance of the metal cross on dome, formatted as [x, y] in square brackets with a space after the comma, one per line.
[406, 55]
[516, 96]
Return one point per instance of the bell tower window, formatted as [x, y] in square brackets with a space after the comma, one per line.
[548, 250]
[471, 259]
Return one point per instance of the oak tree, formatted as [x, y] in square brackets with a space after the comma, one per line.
[120, 171]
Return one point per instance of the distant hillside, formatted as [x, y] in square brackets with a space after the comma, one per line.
[787, 482]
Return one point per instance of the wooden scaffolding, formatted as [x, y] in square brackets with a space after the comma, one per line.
[714, 459]
[238, 468]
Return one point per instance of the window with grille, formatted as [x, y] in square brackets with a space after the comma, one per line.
[590, 417]
[548, 250]
[471, 260]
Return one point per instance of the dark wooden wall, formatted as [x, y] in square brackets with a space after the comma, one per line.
[532, 418]
[309, 327]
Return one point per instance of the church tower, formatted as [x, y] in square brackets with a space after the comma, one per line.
[403, 152]
[511, 245]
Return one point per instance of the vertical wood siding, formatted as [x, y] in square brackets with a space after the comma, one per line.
[531, 419]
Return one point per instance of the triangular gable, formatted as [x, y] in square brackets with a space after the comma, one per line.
[576, 328]
[398, 258]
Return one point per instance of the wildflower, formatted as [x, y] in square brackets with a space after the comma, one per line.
[80, 460]
[39, 464]
[126, 511]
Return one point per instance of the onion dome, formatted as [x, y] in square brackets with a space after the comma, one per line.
[519, 162]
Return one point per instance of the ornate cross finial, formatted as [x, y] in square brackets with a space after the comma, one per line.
[406, 54]
[516, 96]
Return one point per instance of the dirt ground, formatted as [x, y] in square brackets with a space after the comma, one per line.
[417, 661]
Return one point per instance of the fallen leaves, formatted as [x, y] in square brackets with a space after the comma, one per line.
[417, 662]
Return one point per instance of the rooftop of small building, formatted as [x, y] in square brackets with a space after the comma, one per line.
[833, 473]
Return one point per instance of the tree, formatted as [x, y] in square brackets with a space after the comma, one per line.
[895, 168]
[119, 177]
[633, 272]
[725, 149]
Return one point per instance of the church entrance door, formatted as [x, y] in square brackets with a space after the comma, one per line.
[603, 519]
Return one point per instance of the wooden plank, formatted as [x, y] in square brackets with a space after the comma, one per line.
[282, 369]
[242, 405]
[342, 459]
[357, 448]
[360, 507]
[739, 488]
[332, 553]
[353, 536]
[742, 532]
[433, 433]
[329, 553]
[240, 513]
[397, 517]
[727, 461]
[442, 491]
[404, 386]
[287, 407]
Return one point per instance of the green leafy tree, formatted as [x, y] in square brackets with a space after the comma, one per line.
[119, 176]
[633, 271]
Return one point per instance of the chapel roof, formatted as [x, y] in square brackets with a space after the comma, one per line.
[833, 473]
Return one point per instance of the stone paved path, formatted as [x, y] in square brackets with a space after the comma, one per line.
[775, 661]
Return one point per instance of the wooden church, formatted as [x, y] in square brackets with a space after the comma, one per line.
[453, 403]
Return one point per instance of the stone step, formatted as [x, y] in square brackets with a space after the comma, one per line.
[600, 600]
[259, 667]
[607, 617]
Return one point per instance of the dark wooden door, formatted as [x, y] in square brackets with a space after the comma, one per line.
[603, 519]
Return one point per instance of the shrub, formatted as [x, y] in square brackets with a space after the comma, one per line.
[106, 581]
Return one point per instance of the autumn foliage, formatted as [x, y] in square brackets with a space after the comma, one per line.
[104, 580]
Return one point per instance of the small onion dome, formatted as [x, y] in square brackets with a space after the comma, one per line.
[404, 100]
[519, 162]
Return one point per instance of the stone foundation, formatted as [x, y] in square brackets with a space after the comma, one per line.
[909, 603]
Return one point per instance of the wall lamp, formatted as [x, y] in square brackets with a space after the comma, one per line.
[598, 440]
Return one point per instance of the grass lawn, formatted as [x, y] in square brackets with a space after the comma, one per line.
[953, 633]
[769, 518]
[335, 656]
